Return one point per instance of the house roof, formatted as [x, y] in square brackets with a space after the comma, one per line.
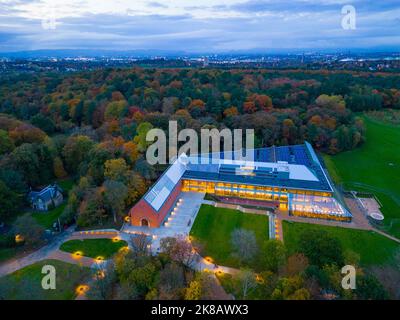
[46, 194]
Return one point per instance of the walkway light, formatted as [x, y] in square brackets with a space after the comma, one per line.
[19, 238]
[77, 254]
[82, 289]
[208, 260]
[124, 249]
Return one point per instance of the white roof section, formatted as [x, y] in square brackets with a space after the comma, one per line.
[167, 182]
[296, 171]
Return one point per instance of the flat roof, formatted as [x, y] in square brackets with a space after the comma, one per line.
[296, 167]
[300, 162]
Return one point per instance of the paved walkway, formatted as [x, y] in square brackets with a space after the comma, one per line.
[41, 254]
[52, 251]
[178, 223]
[70, 258]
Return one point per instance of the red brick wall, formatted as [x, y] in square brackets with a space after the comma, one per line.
[142, 210]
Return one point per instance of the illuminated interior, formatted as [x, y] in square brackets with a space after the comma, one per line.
[306, 203]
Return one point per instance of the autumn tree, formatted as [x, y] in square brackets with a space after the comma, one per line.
[115, 110]
[178, 249]
[116, 169]
[131, 151]
[291, 288]
[58, 168]
[26, 133]
[193, 292]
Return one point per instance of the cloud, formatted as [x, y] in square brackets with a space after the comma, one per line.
[196, 26]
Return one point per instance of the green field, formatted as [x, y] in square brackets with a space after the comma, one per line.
[94, 248]
[373, 248]
[373, 168]
[25, 284]
[213, 228]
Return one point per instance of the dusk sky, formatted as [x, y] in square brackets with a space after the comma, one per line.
[196, 25]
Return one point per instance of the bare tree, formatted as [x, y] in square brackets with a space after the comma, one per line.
[244, 244]
[140, 244]
[246, 282]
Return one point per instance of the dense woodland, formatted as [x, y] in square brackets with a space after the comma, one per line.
[91, 126]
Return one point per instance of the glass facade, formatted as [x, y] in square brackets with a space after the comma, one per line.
[304, 203]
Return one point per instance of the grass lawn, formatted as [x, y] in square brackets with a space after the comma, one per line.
[25, 284]
[94, 248]
[373, 248]
[374, 168]
[46, 219]
[213, 228]
[66, 185]
[6, 253]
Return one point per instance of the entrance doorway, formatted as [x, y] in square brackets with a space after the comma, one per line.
[145, 223]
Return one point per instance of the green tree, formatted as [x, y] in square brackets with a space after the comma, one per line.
[291, 288]
[369, 288]
[43, 122]
[140, 138]
[34, 162]
[76, 151]
[10, 202]
[115, 193]
[273, 255]
[115, 110]
[6, 144]
[321, 248]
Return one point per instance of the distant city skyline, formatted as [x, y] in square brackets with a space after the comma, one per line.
[205, 26]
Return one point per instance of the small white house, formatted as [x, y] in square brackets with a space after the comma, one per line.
[47, 198]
